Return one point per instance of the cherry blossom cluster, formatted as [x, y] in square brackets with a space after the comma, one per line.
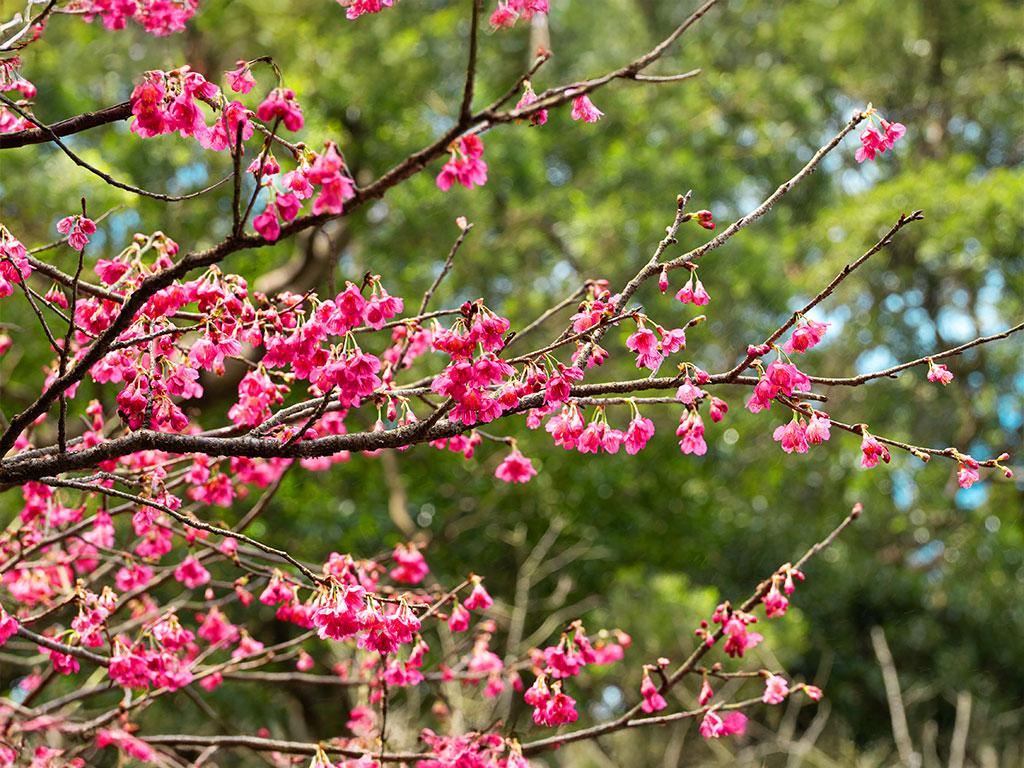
[11, 80]
[77, 533]
[14, 267]
[509, 12]
[555, 664]
[878, 137]
[159, 17]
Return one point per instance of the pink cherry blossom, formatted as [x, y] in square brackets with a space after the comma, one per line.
[281, 103]
[8, 626]
[776, 689]
[939, 373]
[818, 428]
[267, 224]
[872, 450]
[191, 573]
[967, 475]
[411, 567]
[478, 599]
[515, 468]
[638, 433]
[583, 109]
[465, 164]
[792, 435]
[805, 336]
[653, 701]
[705, 693]
[240, 80]
[77, 228]
[357, 8]
[540, 116]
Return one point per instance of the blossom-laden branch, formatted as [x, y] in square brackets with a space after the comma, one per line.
[58, 567]
[413, 164]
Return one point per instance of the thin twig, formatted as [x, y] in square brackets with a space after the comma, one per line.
[96, 171]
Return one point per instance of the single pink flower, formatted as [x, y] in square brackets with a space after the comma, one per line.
[967, 475]
[705, 693]
[191, 573]
[583, 109]
[653, 701]
[478, 599]
[516, 468]
[776, 689]
[813, 691]
[240, 80]
[267, 224]
[939, 373]
[818, 428]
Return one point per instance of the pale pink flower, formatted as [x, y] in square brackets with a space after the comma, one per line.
[776, 689]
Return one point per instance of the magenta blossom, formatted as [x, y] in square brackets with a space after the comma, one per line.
[873, 451]
[240, 80]
[281, 103]
[77, 228]
[516, 468]
[541, 115]
[939, 373]
[583, 109]
[465, 164]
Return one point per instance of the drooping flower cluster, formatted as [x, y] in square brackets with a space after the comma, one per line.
[158, 17]
[875, 140]
[14, 266]
[357, 8]
[472, 343]
[529, 97]
[653, 701]
[77, 228]
[281, 104]
[694, 292]
[807, 334]
[515, 468]
[795, 435]
[509, 12]
[465, 165]
[778, 378]
[872, 449]
[165, 102]
[583, 109]
[651, 350]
